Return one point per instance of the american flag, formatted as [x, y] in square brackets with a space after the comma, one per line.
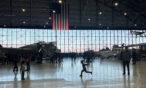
[60, 21]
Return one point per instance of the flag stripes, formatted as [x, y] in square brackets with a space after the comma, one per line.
[60, 21]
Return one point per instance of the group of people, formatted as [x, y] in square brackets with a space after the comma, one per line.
[24, 62]
[125, 56]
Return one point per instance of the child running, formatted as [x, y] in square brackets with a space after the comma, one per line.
[84, 68]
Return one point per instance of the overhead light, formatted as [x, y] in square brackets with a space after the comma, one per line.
[54, 11]
[89, 19]
[116, 4]
[125, 13]
[135, 25]
[100, 13]
[107, 27]
[50, 18]
[46, 23]
[5, 25]
[100, 24]
[60, 1]
[23, 10]
[24, 22]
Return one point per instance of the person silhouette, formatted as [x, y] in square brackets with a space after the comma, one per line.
[84, 68]
[23, 70]
[125, 57]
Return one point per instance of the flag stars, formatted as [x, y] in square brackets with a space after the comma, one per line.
[60, 20]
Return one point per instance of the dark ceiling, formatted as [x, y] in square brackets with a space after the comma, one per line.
[102, 14]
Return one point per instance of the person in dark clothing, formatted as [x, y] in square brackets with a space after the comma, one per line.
[40, 55]
[84, 68]
[7, 58]
[23, 70]
[15, 68]
[134, 56]
[125, 56]
[22, 60]
[28, 62]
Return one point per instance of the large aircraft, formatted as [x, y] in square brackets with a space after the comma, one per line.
[46, 49]
[138, 33]
[9, 52]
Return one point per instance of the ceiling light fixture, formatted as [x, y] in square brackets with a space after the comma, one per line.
[23, 10]
[125, 13]
[107, 27]
[116, 4]
[100, 13]
[50, 18]
[5, 25]
[24, 22]
[60, 1]
[54, 11]
[46, 23]
[89, 19]
[100, 24]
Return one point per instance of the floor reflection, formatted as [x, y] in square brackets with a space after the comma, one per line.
[106, 73]
[127, 83]
[85, 82]
[15, 80]
[68, 69]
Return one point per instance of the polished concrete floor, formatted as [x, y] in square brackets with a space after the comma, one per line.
[106, 74]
